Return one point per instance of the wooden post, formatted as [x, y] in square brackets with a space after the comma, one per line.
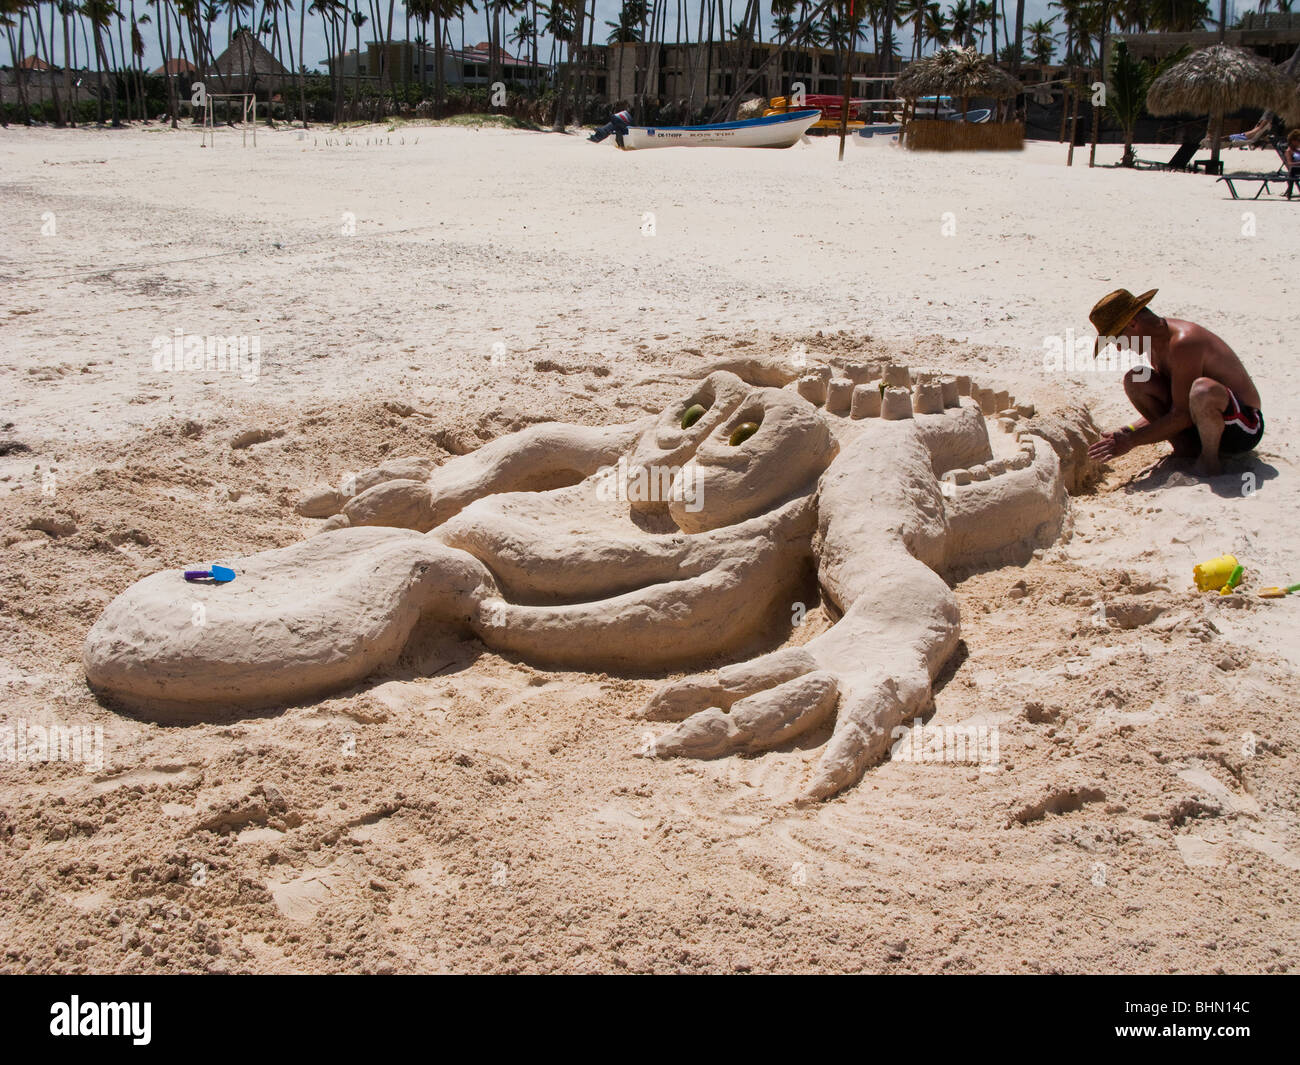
[1096, 127]
[1074, 127]
[1065, 112]
[844, 110]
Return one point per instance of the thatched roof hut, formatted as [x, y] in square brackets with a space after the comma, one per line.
[958, 72]
[1216, 81]
[246, 63]
[1290, 109]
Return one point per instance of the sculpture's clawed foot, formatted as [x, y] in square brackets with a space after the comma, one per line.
[870, 712]
[325, 501]
[759, 705]
[754, 723]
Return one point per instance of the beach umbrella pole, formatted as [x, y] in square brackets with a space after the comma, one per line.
[1074, 126]
[844, 109]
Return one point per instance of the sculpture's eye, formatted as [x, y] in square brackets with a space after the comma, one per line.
[693, 414]
[742, 433]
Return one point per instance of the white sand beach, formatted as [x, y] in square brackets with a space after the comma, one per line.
[421, 291]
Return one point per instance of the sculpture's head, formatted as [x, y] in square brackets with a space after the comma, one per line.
[725, 452]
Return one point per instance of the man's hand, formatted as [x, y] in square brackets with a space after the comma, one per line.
[1112, 445]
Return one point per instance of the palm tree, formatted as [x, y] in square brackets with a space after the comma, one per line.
[962, 24]
[525, 30]
[1019, 46]
[302, 66]
[1042, 41]
[122, 64]
[911, 11]
[1180, 16]
[565, 22]
[99, 13]
[558, 27]
[421, 11]
[627, 30]
[13, 13]
[1076, 16]
[358, 20]
[46, 45]
[935, 25]
[137, 52]
[1128, 81]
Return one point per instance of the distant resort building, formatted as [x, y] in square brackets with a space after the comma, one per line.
[703, 75]
[398, 62]
[1272, 35]
[697, 74]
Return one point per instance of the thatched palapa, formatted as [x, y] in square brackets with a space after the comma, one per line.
[958, 72]
[1216, 81]
[961, 73]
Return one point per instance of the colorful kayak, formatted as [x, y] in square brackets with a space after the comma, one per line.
[770, 131]
[831, 107]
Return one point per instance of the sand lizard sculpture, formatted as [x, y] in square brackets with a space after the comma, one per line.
[883, 483]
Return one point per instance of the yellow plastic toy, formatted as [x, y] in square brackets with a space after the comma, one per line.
[1274, 592]
[1217, 574]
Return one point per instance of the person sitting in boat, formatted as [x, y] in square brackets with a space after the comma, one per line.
[617, 125]
[1195, 393]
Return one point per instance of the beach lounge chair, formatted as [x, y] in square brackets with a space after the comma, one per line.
[1263, 179]
[1181, 160]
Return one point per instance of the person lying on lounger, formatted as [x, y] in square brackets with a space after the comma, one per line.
[1252, 137]
[1196, 394]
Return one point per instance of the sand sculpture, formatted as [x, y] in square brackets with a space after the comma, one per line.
[650, 547]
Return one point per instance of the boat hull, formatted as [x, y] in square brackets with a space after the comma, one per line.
[771, 131]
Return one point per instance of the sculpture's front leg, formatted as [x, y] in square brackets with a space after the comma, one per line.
[872, 671]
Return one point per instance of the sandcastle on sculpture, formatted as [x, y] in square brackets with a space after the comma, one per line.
[543, 544]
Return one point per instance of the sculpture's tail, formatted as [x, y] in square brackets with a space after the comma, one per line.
[295, 623]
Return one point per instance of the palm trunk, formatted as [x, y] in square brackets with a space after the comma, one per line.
[384, 49]
[137, 50]
[114, 71]
[99, 73]
[44, 45]
[67, 69]
[889, 37]
[16, 50]
[1020, 34]
[166, 48]
[298, 71]
[439, 58]
[356, 81]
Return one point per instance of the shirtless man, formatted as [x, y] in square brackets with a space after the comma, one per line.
[1196, 394]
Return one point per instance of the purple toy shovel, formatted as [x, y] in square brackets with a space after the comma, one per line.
[217, 574]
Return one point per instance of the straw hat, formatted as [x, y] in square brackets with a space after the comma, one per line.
[1116, 309]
